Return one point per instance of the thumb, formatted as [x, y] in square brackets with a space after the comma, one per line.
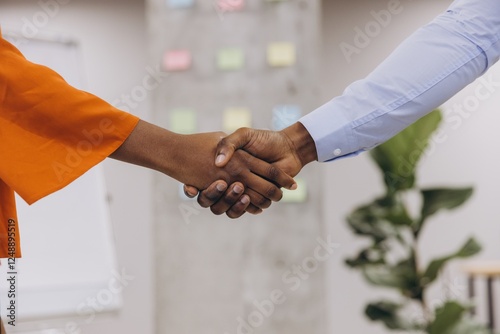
[228, 145]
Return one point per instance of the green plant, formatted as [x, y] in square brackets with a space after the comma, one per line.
[394, 233]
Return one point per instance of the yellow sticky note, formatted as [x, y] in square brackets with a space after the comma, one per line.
[296, 196]
[183, 121]
[281, 54]
[235, 118]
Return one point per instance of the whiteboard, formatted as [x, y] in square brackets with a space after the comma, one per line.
[69, 267]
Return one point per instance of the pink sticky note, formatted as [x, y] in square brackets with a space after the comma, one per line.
[230, 5]
[177, 60]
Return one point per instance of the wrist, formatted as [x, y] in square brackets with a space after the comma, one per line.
[302, 142]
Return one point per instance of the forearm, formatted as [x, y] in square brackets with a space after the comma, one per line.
[430, 67]
[152, 147]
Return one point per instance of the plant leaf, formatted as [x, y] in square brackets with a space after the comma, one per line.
[402, 276]
[398, 157]
[439, 199]
[380, 219]
[447, 317]
[370, 256]
[387, 312]
[469, 326]
[471, 248]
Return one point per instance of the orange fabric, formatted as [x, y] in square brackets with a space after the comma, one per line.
[50, 133]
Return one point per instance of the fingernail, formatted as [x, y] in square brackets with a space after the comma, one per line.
[245, 200]
[238, 189]
[221, 186]
[220, 159]
[294, 186]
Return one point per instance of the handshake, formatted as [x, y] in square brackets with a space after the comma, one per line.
[243, 172]
[249, 166]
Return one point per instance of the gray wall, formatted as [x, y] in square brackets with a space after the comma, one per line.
[212, 273]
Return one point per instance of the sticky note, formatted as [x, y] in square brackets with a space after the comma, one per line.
[177, 60]
[281, 54]
[180, 3]
[230, 59]
[183, 121]
[296, 196]
[235, 118]
[285, 115]
[230, 5]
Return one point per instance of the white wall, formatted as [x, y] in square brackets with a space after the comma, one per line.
[113, 40]
[467, 157]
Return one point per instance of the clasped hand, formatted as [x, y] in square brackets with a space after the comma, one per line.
[272, 159]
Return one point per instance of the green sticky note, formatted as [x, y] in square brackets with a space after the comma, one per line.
[235, 118]
[281, 54]
[183, 121]
[230, 59]
[296, 196]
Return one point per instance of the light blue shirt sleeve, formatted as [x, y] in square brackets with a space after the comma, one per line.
[426, 70]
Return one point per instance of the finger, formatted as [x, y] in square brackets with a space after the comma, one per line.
[239, 208]
[255, 177]
[257, 199]
[212, 194]
[269, 172]
[230, 198]
[190, 191]
[228, 145]
[252, 209]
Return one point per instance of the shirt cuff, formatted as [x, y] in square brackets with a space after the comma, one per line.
[332, 133]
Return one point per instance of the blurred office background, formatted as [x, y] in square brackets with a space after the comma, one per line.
[188, 279]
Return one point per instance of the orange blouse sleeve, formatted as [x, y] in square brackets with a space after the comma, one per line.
[50, 134]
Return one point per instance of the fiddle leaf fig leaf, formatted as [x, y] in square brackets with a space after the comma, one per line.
[387, 312]
[381, 219]
[401, 276]
[398, 157]
[447, 317]
[471, 248]
[439, 199]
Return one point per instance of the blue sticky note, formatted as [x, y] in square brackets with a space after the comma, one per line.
[180, 3]
[285, 115]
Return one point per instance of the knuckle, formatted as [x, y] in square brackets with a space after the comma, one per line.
[273, 192]
[273, 173]
[229, 200]
[263, 203]
[202, 202]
